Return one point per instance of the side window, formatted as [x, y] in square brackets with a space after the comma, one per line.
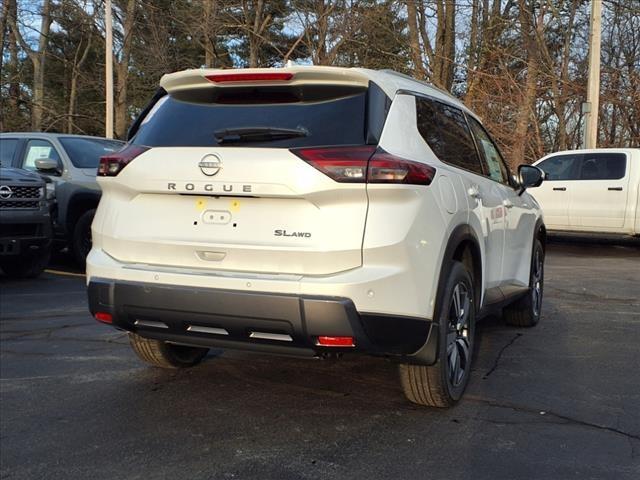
[37, 149]
[603, 166]
[489, 153]
[561, 167]
[445, 130]
[7, 151]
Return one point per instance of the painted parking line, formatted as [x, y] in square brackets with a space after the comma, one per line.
[68, 274]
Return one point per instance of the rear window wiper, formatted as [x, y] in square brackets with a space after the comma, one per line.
[257, 134]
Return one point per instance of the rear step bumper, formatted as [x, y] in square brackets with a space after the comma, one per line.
[267, 322]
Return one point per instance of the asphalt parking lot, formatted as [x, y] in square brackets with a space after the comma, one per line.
[557, 401]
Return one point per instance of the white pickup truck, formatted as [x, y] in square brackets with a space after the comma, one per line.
[595, 191]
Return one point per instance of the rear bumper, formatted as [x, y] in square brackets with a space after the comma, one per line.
[243, 320]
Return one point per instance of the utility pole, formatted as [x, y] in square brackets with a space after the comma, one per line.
[591, 107]
[108, 67]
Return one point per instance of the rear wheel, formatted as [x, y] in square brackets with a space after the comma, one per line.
[442, 384]
[81, 240]
[525, 312]
[166, 355]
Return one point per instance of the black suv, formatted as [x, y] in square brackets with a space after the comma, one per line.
[25, 221]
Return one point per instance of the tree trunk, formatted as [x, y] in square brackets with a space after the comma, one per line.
[414, 39]
[122, 72]
[255, 35]
[3, 29]
[529, 28]
[75, 73]
[210, 17]
[37, 59]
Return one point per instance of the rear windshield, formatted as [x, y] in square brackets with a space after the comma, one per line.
[86, 152]
[174, 122]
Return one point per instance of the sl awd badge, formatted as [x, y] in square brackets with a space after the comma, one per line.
[210, 164]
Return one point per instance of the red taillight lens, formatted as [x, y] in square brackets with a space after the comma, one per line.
[365, 164]
[336, 342]
[111, 165]
[342, 164]
[104, 317]
[387, 168]
[249, 77]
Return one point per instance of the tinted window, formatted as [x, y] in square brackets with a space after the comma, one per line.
[561, 167]
[489, 153]
[7, 150]
[174, 122]
[445, 130]
[86, 152]
[603, 166]
[37, 149]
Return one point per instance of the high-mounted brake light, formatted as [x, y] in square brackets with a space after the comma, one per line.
[112, 164]
[249, 77]
[336, 342]
[366, 164]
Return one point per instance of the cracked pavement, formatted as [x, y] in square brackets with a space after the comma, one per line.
[557, 401]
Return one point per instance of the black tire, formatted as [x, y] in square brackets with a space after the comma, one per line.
[166, 355]
[81, 239]
[26, 267]
[442, 384]
[525, 312]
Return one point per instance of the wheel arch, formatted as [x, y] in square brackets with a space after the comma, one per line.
[80, 203]
[463, 246]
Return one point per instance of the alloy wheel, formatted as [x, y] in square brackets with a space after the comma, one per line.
[458, 334]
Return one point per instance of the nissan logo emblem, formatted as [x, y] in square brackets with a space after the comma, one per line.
[210, 164]
[5, 192]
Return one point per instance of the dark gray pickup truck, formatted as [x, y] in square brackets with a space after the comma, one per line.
[70, 162]
[25, 223]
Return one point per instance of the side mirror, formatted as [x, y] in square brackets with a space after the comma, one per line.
[529, 177]
[47, 165]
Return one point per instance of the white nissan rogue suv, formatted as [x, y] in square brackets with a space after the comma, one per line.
[311, 211]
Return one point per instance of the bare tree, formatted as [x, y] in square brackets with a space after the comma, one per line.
[37, 58]
[127, 21]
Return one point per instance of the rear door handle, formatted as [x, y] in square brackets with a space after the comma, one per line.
[507, 203]
[617, 189]
[559, 189]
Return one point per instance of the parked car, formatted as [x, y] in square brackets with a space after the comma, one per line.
[70, 161]
[314, 211]
[25, 223]
[595, 191]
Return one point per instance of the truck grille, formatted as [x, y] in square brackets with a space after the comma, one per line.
[14, 204]
[20, 196]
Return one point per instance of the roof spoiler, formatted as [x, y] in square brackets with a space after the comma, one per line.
[247, 77]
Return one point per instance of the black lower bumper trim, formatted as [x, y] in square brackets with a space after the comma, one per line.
[137, 307]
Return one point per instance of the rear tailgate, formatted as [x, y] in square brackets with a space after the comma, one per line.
[192, 202]
[265, 211]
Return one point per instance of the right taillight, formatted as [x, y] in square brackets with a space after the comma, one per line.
[366, 164]
[111, 165]
[387, 168]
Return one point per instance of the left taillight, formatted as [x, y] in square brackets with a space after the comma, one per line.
[111, 165]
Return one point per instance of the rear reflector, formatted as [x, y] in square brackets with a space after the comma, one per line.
[111, 165]
[366, 164]
[104, 317]
[249, 77]
[336, 342]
